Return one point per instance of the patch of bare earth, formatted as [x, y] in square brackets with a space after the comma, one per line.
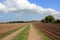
[11, 36]
[51, 30]
[4, 28]
[33, 35]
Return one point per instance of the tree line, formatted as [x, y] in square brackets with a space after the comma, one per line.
[47, 19]
[50, 19]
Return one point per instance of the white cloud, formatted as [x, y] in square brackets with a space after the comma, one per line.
[2, 7]
[26, 7]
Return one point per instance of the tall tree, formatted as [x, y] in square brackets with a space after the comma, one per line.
[49, 19]
[57, 21]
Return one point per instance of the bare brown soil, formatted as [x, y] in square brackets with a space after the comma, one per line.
[4, 28]
[11, 36]
[52, 30]
[33, 34]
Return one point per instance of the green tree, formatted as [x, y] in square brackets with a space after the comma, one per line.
[49, 19]
[43, 20]
[57, 21]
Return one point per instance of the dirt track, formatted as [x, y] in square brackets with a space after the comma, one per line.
[33, 35]
[52, 30]
[11, 36]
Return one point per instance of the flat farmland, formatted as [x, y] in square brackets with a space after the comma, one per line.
[5, 28]
[30, 31]
[51, 30]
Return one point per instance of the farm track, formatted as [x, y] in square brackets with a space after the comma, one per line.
[33, 34]
[11, 36]
[51, 30]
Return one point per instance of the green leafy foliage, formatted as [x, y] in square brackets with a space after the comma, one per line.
[48, 19]
[57, 21]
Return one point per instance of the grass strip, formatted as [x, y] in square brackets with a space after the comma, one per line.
[42, 34]
[23, 35]
[6, 34]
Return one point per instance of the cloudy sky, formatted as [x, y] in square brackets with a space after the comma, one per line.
[14, 10]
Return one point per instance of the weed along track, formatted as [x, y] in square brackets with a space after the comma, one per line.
[23, 35]
[11, 36]
[7, 29]
[50, 29]
[35, 31]
[33, 34]
[29, 19]
[28, 32]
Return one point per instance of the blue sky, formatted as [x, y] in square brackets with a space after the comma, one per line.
[54, 4]
[45, 7]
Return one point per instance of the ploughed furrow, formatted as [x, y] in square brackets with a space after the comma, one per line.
[8, 28]
[12, 35]
[53, 31]
[50, 30]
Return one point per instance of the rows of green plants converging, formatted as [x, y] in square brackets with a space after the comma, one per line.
[23, 35]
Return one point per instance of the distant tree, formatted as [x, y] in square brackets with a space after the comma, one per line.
[49, 19]
[16, 22]
[57, 21]
[43, 20]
